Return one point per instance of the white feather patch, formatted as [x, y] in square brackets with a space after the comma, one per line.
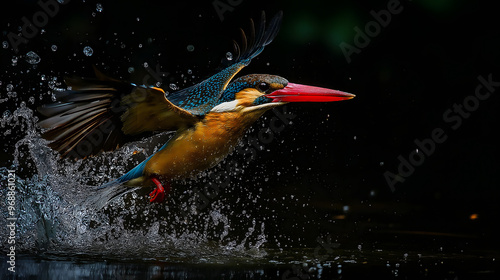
[225, 107]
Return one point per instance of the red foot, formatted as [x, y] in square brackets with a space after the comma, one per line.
[158, 194]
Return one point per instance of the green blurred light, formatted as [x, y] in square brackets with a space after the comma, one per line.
[304, 28]
[340, 28]
[438, 6]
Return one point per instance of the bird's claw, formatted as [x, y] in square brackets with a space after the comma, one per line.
[158, 194]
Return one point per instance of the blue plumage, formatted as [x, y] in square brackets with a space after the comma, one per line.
[103, 114]
[202, 97]
[199, 99]
[137, 171]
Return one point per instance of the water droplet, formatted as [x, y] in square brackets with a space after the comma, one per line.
[98, 7]
[42, 77]
[138, 19]
[173, 86]
[146, 65]
[5, 44]
[14, 60]
[229, 56]
[131, 69]
[189, 71]
[9, 87]
[88, 51]
[6, 114]
[190, 48]
[53, 48]
[32, 58]
[140, 46]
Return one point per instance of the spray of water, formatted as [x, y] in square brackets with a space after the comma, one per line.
[53, 218]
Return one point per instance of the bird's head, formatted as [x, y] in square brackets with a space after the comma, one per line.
[257, 93]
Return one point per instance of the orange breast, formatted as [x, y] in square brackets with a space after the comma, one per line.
[199, 148]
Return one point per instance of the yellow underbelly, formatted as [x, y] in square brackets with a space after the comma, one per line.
[197, 149]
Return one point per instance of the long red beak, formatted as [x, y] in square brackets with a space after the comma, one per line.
[302, 93]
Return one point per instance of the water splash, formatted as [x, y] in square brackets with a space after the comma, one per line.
[32, 58]
[173, 86]
[99, 7]
[53, 218]
[88, 51]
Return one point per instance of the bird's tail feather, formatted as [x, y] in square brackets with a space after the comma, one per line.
[106, 194]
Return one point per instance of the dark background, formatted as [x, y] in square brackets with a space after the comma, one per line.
[334, 155]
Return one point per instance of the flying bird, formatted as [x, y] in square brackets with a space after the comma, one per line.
[209, 118]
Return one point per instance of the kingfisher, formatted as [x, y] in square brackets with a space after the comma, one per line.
[209, 118]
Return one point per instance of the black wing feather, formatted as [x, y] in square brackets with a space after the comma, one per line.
[84, 121]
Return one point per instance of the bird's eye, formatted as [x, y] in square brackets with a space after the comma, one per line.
[263, 87]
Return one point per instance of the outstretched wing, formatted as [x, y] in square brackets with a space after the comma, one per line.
[149, 110]
[103, 114]
[202, 97]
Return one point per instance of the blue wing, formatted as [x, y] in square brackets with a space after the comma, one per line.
[202, 97]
